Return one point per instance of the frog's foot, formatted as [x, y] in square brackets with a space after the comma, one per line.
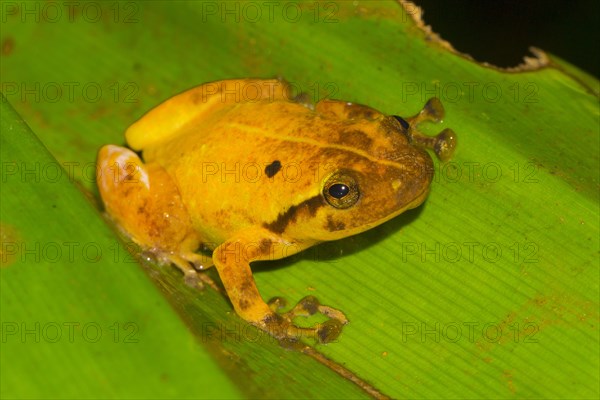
[442, 144]
[236, 276]
[282, 324]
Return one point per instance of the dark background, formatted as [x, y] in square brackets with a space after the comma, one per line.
[501, 31]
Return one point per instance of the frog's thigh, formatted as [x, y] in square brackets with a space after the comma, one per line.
[145, 202]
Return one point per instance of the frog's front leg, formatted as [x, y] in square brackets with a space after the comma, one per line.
[232, 260]
[146, 204]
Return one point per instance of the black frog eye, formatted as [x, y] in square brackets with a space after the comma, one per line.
[338, 190]
[341, 190]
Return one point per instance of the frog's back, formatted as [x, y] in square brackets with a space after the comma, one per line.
[197, 104]
[240, 171]
[245, 164]
[263, 125]
[248, 165]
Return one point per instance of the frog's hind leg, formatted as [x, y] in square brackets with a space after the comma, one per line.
[144, 201]
[444, 143]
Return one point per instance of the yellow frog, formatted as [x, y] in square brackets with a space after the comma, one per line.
[242, 169]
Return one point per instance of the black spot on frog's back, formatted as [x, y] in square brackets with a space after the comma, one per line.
[273, 168]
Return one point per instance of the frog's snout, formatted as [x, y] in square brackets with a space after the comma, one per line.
[412, 178]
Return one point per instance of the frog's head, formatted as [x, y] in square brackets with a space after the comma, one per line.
[374, 173]
[366, 190]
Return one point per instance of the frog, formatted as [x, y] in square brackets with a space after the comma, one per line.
[245, 171]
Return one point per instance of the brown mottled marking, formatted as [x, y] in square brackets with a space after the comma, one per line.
[265, 246]
[244, 304]
[360, 111]
[9, 236]
[272, 319]
[246, 286]
[311, 305]
[334, 225]
[284, 219]
[8, 45]
[196, 98]
[357, 138]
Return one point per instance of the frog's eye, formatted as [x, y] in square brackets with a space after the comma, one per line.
[341, 190]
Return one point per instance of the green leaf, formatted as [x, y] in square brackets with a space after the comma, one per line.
[488, 290]
[78, 318]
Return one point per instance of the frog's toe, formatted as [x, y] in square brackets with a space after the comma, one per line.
[433, 110]
[192, 280]
[277, 303]
[190, 276]
[192, 265]
[310, 305]
[445, 143]
[329, 331]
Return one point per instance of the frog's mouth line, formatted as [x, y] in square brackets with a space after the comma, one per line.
[420, 199]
